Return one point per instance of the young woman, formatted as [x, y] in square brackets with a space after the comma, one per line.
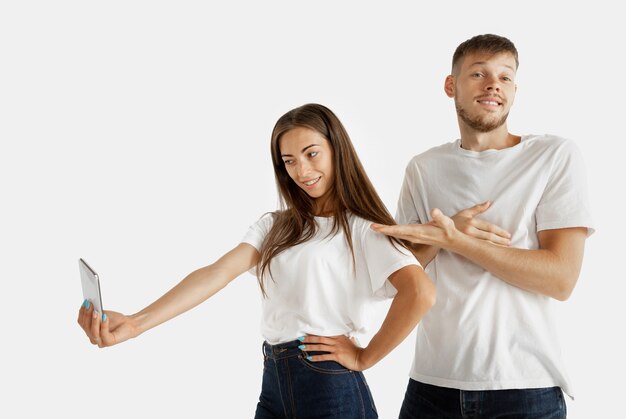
[319, 265]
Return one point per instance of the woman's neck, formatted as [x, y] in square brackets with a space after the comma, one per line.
[323, 207]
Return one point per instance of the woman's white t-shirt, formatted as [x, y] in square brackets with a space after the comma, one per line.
[314, 288]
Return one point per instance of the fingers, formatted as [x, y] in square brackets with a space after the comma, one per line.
[476, 209]
[491, 228]
[340, 349]
[105, 334]
[95, 328]
[490, 237]
[85, 316]
[312, 343]
[82, 314]
[385, 229]
[409, 232]
[325, 357]
[496, 239]
[96, 325]
[316, 348]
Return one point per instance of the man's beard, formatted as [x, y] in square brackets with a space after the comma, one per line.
[480, 124]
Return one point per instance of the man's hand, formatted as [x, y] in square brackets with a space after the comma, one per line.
[466, 222]
[427, 240]
[440, 232]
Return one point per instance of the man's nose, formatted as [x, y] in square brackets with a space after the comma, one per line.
[492, 84]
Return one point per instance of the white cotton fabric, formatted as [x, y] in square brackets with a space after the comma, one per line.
[315, 290]
[482, 333]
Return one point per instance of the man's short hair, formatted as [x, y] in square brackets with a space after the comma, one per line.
[489, 43]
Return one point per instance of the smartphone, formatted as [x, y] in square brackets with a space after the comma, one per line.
[91, 285]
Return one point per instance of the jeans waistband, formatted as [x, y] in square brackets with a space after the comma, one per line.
[282, 350]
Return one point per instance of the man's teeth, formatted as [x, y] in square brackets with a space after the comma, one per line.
[489, 102]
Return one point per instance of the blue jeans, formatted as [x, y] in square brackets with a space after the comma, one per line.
[294, 388]
[424, 401]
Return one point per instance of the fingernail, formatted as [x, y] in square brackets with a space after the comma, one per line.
[309, 358]
[301, 338]
[104, 317]
[85, 303]
[301, 347]
[95, 314]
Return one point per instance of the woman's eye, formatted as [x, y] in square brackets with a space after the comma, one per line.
[313, 153]
[288, 162]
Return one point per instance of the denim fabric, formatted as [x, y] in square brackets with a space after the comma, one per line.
[424, 401]
[295, 388]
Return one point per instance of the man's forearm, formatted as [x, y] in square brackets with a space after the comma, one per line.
[551, 270]
[542, 271]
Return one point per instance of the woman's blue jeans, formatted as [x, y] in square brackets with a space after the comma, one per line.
[425, 401]
[295, 388]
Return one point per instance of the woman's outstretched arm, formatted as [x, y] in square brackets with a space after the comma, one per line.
[112, 328]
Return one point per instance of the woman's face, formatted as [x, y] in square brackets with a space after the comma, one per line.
[308, 158]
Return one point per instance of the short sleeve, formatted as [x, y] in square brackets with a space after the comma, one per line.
[383, 258]
[255, 235]
[407, 210]
[565, 202]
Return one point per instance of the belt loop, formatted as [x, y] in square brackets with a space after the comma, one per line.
[263, 351]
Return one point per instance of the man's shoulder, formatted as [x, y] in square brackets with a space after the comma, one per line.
[433, 152]
[546, 141]
[550, 144]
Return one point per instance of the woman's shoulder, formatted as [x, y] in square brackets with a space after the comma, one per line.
[360, 226]
[265, 221]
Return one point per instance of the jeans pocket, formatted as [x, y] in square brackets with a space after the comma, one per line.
[324, 367]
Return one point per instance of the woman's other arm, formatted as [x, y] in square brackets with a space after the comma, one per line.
[415, 296]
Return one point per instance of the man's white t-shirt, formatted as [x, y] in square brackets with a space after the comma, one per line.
[314, 288]
[482, 333]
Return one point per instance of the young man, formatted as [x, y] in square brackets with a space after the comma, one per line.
[489, 348]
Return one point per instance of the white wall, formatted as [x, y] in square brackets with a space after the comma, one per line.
[135, 134]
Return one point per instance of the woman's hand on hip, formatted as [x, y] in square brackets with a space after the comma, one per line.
[341, 349]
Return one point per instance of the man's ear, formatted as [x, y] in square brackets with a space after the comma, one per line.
[448, 86]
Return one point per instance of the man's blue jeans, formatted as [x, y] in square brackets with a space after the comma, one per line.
[424, 401]
[294, 387]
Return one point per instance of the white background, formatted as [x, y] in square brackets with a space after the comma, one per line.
[135, 134]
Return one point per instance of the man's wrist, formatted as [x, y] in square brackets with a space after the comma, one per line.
[457, 240]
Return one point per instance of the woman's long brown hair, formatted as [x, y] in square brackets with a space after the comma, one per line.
[351, 191]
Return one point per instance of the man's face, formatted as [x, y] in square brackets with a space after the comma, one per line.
[483, 87]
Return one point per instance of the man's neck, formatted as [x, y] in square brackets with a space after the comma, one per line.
[498, 139]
